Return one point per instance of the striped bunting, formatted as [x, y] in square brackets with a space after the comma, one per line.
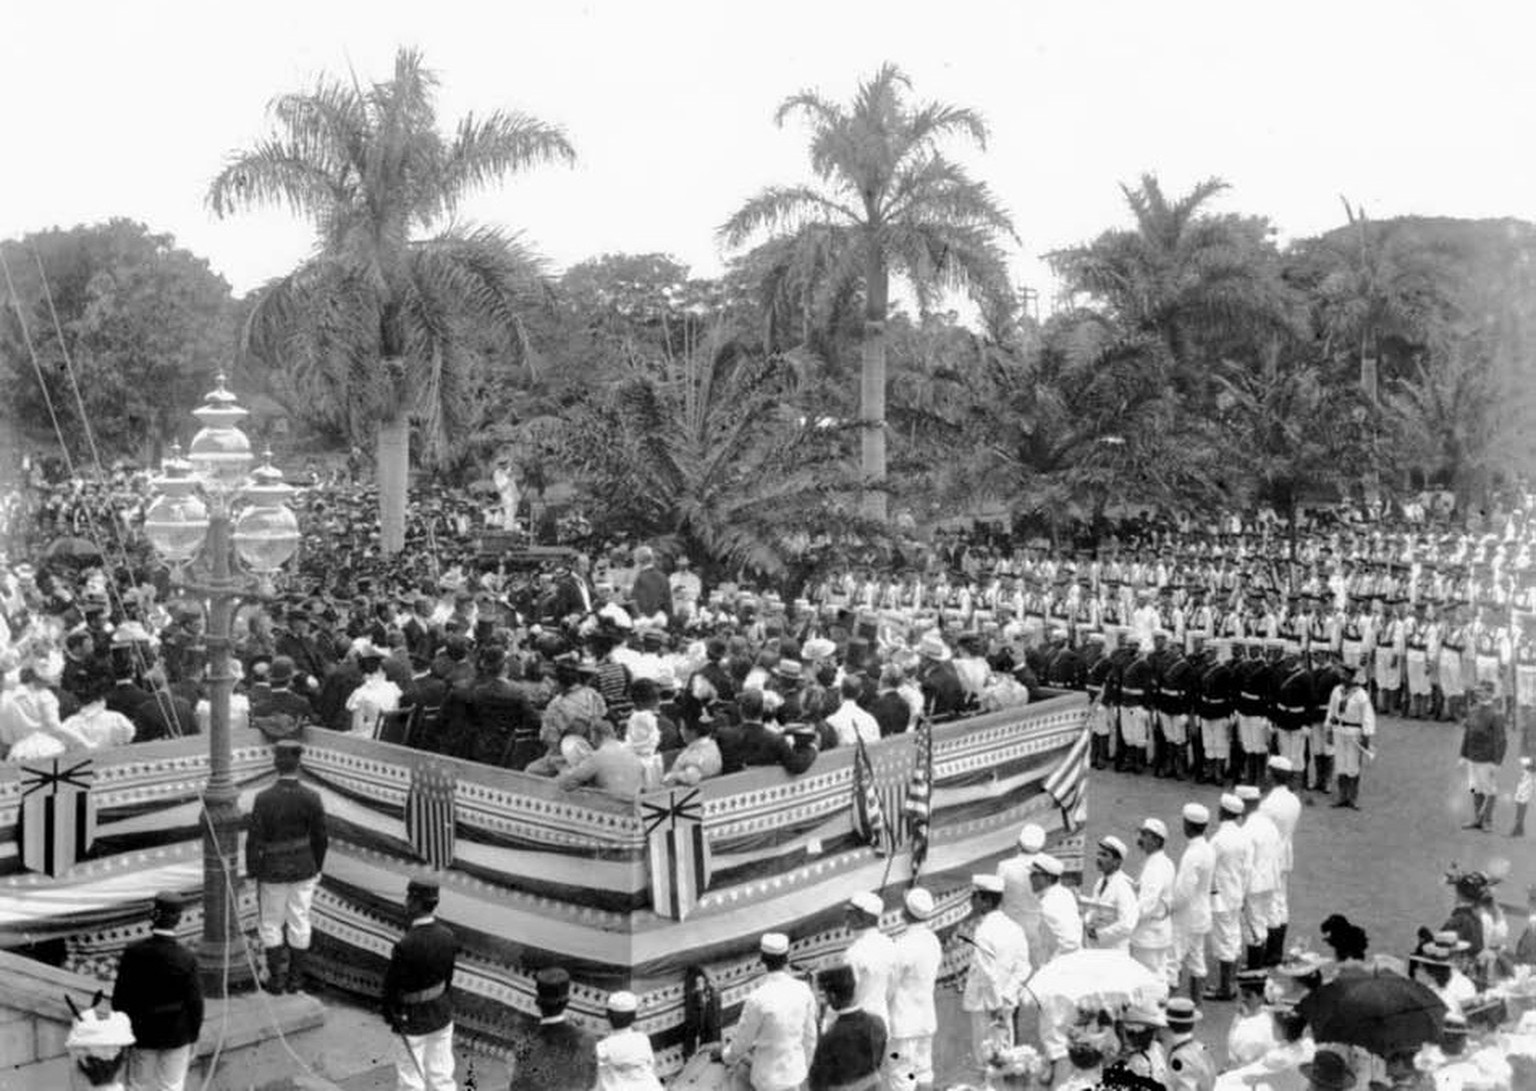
[869, 814]
[429, 814]
[1068, 782]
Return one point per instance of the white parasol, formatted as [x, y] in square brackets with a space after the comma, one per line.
[1094, 979]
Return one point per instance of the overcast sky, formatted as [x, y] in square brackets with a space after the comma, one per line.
[127, 108]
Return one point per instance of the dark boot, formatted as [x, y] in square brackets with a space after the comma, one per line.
[1519, 827]
[1196, 988]
[1254, 956]
[1226, 975]
[1477, 812]
[296, 980]
[1343, 800]
[277, 970]
[1486, 821]
[1274, 946]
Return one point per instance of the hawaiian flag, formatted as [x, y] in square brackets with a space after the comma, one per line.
[429, 814]
[678, 851]
[868, 813]
[919, 805]
[1068, 782]
[58, 817]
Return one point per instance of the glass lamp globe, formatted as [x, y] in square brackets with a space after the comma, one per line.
[176, 524]
[266, 537]
[220, 451]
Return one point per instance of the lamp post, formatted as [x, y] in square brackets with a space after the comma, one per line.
[207, 505]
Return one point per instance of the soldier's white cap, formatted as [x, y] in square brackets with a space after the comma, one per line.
[868, 903]
[1032, 837]
[919, 903]
[993, 884]
[1195, 812]
[1049, 864]
[1114, 845]
[1156, 826]
[623, 1002]
[1232, 804]
[1281, 764]
[1248, 792]
[774, 943]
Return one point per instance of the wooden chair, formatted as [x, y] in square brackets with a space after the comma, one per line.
[425, 727]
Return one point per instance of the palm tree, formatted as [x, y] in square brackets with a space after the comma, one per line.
[386, 316]
[1198, 285]
[888, 201]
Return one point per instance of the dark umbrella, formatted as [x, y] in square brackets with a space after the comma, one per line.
[1382, 1012]
[75, 548]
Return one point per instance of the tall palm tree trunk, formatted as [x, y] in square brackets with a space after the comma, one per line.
[872, 386]
[393, 467]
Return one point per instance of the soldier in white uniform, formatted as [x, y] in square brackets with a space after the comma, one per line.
[1018, 895]
[1232, 862]
[1152, 940]
[1061, 922]
[776, 1035]
[1263, 878]
[914, 1019]
[1283, 807]
[1111, 916]
[1352, 719]
[999, 967]
[1191, 912]
[871, 954]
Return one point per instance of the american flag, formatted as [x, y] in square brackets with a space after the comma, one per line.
[919, 805]
[868, 812]
[1068, 780]
[429, 814]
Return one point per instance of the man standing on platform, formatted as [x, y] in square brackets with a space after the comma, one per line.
[285, 852]
[417, 1003]
[157, 988]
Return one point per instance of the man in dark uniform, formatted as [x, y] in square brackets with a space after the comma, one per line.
[559, 1056]
[157, 988]
[284, 853]
[1138, 691]
[418, 1004]
[306, 651]
[165, 714]
[1292, 710]
[1254, 694]
[851, 1052]
[1175, 700]
[278, 710]
[1217, 683]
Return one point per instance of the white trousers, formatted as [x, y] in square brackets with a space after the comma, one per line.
[159, 1069]
[1227, 935]
[1188, 953]
[281, 905]
[1216, 737]
[432, 1069]
[911, 1063]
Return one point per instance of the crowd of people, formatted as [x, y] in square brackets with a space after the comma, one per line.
[1236, 657]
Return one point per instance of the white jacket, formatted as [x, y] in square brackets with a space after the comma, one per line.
[1233, 863]
[1192, 887]
[776, 1033]
[999, 965]
[915, 976]
[1115, 916]
[625, 1062]
[1265, 874]
[873, 958]
[1061, 925]
[1284, 810]
[1154, 902]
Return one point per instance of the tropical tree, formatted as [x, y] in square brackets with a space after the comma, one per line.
[888, 201]
[386, 316]
[714, 451]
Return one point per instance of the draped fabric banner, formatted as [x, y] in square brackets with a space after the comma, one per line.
[679, 852]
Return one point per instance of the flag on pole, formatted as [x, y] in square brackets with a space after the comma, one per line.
[429, 814]
[678, 851]
[1067, 782]
[868, 814]
[57, 822]
[919, 805]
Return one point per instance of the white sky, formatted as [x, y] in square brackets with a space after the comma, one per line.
[127, 108]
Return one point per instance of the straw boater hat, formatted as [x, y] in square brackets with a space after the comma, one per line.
[932, 646]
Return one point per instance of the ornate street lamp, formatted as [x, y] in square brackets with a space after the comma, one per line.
[208, 506]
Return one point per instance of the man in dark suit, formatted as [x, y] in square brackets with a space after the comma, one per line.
[750, 743]
[418, 1001]
[163, 714]
[285, 852]
[279, 698]
[652, 592]
[307, 652]
[126, 695]
[559, 1056]
[943, 692]
[157, 988]
[485, 721]
[852, 1049]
